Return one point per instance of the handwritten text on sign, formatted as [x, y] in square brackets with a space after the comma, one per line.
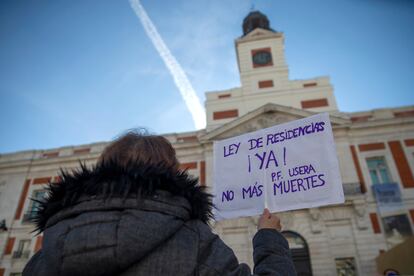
[285, 167]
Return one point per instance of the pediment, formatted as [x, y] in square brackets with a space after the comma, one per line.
[265, 116]
[264, 120]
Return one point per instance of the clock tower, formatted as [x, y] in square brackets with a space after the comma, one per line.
[264, 78]
[260, 55]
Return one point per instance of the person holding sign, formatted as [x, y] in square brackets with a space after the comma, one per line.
[136, 213]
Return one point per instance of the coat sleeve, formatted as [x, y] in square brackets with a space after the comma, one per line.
[35, 266]
[270, 254]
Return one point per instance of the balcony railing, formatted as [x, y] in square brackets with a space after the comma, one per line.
[387, 193]
[351, 189]
[21, 254]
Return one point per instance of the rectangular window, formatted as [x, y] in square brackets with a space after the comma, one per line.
[346, 266]
[24, 245]
[23, 250]
[397, 228]
[378, 170]
[37, 196]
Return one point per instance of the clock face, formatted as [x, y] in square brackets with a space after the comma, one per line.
[262, 58]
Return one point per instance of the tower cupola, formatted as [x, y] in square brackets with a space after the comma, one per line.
[253, 20]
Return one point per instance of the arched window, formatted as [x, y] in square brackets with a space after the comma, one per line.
[300, 253]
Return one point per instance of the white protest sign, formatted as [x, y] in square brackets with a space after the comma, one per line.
[284, 167]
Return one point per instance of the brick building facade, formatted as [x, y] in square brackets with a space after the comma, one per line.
[374, 147]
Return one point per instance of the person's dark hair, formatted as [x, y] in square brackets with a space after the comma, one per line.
[136, 164]
[139, 147]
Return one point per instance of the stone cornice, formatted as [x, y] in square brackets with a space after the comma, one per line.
[48, 161]
[382, 122]
[258, 34]
[337, 121]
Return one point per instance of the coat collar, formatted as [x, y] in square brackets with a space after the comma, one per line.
[111, 181]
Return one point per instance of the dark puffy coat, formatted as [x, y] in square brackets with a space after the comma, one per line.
[140, 221]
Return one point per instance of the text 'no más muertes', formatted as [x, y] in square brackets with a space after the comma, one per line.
[284, 167]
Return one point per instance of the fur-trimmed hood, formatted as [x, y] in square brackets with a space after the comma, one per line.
[109, 180]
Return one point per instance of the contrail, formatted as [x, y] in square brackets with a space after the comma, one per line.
[180, 78]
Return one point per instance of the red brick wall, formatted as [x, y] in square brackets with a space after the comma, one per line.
[314, 103]
[310, 84]
[358, 169]
[188, 166]
[265, 83]
[375, 223]
[202, 173]
[22, 199]
[42, 180]
[402, 114]
[187, 139]
[412, 215]
[357, 119]
[38, 244]
[225, 114]
[403, 167]
[9, 246]
[223, 96]
[371, 146]
[409, 142]
[82, 151]
[51, 154]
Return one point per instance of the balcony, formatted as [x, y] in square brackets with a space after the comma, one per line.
[387, 196]
[21, 254]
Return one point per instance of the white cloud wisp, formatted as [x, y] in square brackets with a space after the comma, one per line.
[180, 78]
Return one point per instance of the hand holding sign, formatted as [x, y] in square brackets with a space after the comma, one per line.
[269, 221]
[285, 167]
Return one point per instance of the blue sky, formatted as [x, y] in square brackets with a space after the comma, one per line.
[82, 71]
